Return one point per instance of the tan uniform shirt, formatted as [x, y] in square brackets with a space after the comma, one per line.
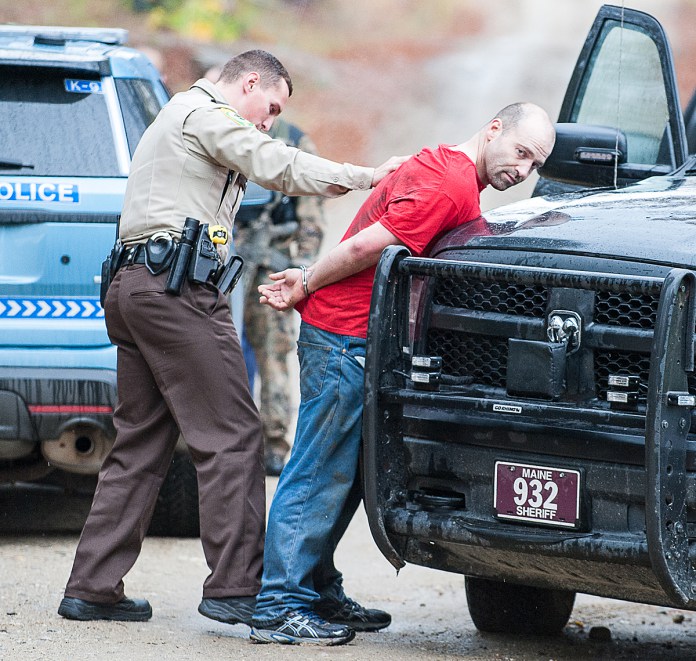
[182, 162]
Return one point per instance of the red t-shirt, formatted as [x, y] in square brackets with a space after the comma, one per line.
[432, 192]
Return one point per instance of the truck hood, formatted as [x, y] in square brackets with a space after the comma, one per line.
[653, 221]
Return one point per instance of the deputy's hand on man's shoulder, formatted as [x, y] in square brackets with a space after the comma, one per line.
[383, 170]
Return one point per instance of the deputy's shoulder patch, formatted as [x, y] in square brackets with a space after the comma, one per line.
[232, 114]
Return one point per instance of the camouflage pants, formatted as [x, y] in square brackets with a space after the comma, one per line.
[271, 335]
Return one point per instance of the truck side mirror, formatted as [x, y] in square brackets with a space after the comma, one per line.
[587, 156]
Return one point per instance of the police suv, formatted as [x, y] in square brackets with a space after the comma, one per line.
[74, 103]
[530, 407]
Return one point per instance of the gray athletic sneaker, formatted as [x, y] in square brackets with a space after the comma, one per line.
[300, 627]
[350, 613]
[231, 610]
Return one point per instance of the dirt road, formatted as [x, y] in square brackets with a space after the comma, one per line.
[430, 619]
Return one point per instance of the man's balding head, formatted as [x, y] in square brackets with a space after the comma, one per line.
[524, 112]
[517, 141]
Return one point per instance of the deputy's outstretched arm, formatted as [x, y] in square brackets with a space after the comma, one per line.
[221, 134]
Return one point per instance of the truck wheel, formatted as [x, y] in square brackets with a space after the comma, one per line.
[498, 607]
[176, 510]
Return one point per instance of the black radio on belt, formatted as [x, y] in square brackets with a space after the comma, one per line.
[205, 260]
[206, 265]
[198, 260]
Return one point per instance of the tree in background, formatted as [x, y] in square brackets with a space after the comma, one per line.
[204, 20]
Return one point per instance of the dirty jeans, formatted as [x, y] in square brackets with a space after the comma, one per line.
[318, 491]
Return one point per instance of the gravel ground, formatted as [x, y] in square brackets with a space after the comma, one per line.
[430, 618]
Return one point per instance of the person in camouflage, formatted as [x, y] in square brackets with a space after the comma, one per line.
[288, 231]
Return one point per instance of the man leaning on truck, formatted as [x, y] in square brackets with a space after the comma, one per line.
[302, 598]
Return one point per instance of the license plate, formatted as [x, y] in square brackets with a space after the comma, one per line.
[537, 494]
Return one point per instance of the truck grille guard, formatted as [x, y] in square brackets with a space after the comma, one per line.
[668, 411]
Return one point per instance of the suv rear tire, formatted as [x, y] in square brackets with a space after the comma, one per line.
[176, 512]
[498, 607]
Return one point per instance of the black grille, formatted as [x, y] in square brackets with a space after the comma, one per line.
[626, 364]
[625, 309]
[503, 297]
[617, 362]
[466, 354]
[485, 357]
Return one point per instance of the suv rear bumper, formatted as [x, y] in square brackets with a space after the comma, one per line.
[54, 418]
[38, 404]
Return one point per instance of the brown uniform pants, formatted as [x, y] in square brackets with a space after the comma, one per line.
[180, 368]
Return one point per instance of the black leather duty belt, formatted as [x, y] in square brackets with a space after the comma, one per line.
[134, 255]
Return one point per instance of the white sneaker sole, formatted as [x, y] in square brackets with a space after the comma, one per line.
[271, 636]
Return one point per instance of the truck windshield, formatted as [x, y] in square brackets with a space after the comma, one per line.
[54, 122]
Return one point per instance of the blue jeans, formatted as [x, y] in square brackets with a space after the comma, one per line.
[319, 490]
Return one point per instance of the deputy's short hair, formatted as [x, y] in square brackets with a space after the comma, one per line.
[266, 65]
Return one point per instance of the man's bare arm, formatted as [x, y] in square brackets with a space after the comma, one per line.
[348, 257]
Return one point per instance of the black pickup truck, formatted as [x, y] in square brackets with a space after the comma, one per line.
[530, 388]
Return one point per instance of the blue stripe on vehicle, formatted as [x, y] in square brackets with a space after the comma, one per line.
[54, 307]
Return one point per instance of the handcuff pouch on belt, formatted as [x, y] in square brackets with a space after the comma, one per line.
[159, 252]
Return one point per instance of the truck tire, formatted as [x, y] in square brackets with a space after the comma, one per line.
[497, 607]
[176, 510]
